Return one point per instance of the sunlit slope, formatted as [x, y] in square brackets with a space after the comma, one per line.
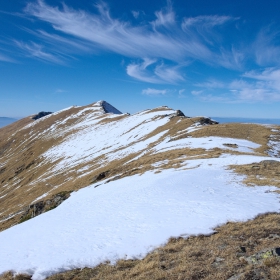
[77, 146]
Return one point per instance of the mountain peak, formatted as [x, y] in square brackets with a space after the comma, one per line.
[108, 108]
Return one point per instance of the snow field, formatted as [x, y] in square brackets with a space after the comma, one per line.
[128, 218]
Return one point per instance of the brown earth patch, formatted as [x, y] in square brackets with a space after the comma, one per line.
[224, 255]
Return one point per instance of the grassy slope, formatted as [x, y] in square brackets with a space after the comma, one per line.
[218, 256]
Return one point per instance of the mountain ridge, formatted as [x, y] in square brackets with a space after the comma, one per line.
[60, 125]
[86, 150]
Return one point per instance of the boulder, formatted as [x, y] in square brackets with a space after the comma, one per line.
[41, 115]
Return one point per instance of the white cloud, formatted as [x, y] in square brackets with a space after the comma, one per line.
[135, 14]
[153, 39]
[59, 90]
[6, 58]
[67, 45]
[154, 92]
[149, 71]
[37, 51]
[196, 92]
[211, 84]
[204, 28]
[165, 17]
[140, 72]
[181, 95]
[270, 76]
[5, 53]
[205, 22]
[262, 86]
[170, 43]
[265, 49]
[169, 74]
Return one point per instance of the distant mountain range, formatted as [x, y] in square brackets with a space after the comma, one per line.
[247, 120]
[5, 121]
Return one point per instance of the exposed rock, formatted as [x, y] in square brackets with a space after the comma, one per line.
[108, 108]
[179, 113]
[41, 115]
[2, 170]
[231, 145]
[264, 255]
[40, 207]
[205, 121]
[274, 236]
[222, 247]
[218, 262]
[100, 176]
[243, 249]
[236, 277]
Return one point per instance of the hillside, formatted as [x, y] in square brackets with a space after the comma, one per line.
[119, 185]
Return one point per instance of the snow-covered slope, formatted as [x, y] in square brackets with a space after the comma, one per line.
[137, 180]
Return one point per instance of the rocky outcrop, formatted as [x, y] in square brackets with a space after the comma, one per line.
[100, 177]
[108, 108]
[264, 256]
[41, 115]
[179, 113]
[207, 121]
[40, 207]
[260, 260]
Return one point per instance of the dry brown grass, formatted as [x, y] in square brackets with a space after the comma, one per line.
[253, 132]
[22, 179]
[23, 176]
[218, 256]
[264, 173]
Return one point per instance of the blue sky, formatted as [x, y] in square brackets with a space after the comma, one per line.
[214, 58]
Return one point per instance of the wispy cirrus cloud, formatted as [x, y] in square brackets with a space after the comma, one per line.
[5, 54]
[270, 77]
[254, 86]
[140, 71]
[204, 27]
[211, 84]
[165, 17]
[160, 51]
[172, 43]
[265, 48]
[59, 90]
[65, 45]
[5, 58]
[152, 71]
[155, 92]
[135, 14]
[37, 51]
[181, 93]
[196, 92]
[118, 36]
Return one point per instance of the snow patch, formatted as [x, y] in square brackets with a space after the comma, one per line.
[207, 143]
[129, 217]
